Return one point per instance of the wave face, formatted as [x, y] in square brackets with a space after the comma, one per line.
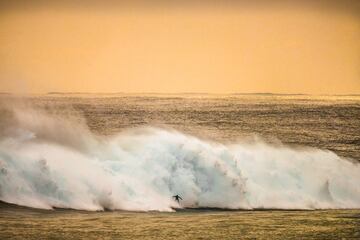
[48, 161]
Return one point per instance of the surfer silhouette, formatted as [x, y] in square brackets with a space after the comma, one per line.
[177, 198]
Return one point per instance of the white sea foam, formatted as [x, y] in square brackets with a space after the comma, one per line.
[47, 161]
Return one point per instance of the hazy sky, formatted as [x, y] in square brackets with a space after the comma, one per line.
[285, 47]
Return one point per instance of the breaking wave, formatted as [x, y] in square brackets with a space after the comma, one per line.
[48, 161]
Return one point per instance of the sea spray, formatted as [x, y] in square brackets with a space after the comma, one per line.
[49, 161]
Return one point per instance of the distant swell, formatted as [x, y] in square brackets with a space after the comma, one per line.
[48, 161]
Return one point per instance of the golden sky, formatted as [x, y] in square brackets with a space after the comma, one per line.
[216, 48]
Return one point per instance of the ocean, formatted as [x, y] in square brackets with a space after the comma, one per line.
[248, 166]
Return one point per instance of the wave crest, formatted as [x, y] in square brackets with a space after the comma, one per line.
[48, 161]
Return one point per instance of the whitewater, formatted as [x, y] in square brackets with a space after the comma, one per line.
[51, 161]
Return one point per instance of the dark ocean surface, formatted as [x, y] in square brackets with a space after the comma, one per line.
[325, 122]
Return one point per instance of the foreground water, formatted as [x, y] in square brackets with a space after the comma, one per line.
[23, 223]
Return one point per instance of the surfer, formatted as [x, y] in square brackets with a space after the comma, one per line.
[177, 198]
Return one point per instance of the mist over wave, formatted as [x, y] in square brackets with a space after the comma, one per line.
[49, 160]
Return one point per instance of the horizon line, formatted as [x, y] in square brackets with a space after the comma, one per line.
[178, 93]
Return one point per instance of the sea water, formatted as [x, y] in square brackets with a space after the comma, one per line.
[133, 152]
